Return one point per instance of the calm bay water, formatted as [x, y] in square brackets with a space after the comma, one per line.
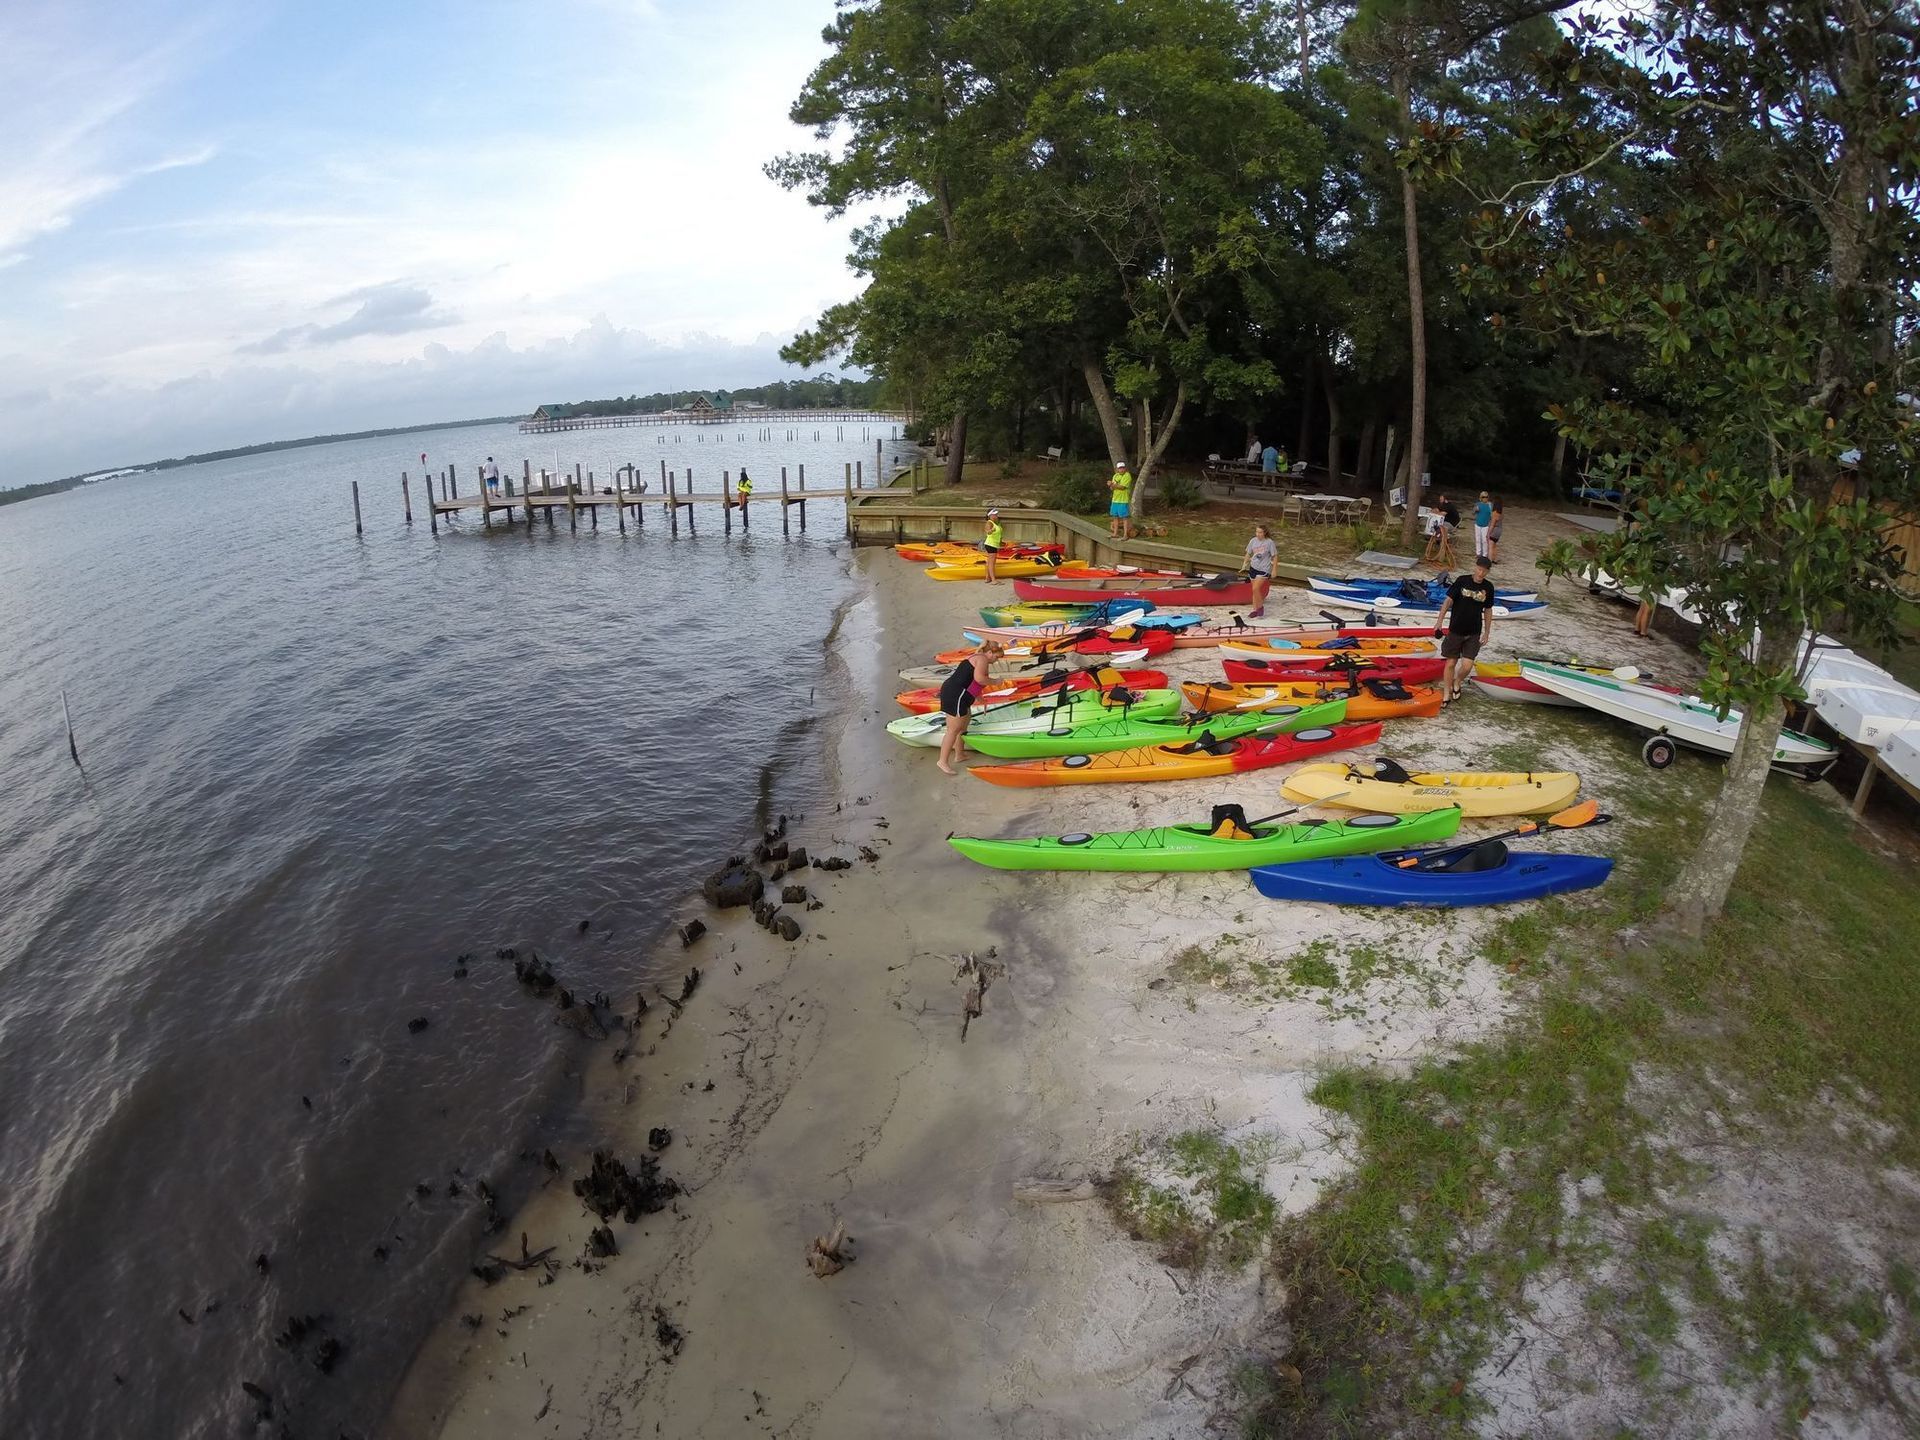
[320, 767]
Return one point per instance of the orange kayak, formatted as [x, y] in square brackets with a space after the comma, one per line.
[1281, 651]
[1197, 759]
[927, 698]
[949, 552]
[1374, 700]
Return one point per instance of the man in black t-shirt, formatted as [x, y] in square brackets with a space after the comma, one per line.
[1466, 623]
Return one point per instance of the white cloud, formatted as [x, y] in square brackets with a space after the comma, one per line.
[564, 226]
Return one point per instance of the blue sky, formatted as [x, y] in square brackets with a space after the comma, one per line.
[230, 222]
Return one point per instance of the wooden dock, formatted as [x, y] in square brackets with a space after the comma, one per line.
[763, 420]
[544, 495]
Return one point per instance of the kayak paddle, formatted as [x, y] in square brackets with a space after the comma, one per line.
[1575, 817]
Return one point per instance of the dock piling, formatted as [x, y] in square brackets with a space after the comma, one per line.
[726, 507]
[356, 508]
[620, 502]
[406, 498]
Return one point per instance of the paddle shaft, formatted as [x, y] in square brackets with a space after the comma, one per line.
[1532, 829]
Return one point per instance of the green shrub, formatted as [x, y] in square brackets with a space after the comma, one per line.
[1179, 492]
[1076, 489]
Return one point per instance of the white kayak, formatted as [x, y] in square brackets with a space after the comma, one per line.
[1021, 663]
[1413, 610]
[1685, 719]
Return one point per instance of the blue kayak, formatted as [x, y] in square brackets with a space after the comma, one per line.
[1487, 874]
[1408, 589]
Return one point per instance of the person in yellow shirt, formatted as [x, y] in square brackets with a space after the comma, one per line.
[1120, 510]
[990, 543]
[743, 492]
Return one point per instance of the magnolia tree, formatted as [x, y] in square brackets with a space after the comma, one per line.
[1730, 189]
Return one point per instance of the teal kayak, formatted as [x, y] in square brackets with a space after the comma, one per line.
[1080, 708]
[1101, 734]
[1197, 847]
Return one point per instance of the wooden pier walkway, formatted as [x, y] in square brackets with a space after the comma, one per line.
[766, 420]
[546, 494]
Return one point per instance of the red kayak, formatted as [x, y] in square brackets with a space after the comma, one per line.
[1214, 590]
[1319, 665]
[927, 698]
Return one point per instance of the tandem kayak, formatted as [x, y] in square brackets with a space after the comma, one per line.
[1200, 758]
[1107, 642]
[1043, 716]
[1320, 667]
[1131, 731]
[1002, 569]
[1040, 612]
[1681, 719]
[1017, 664]
[1486, 874]
[1409, 589]
[1198, 847]
[927, 697]
[1389, 789]
[1502, 680]
[1366, 699]
[1416, 642]
[1426, 609]
[1199, 590]
[925, 552]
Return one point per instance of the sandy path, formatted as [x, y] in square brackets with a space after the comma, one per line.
[841, 1090]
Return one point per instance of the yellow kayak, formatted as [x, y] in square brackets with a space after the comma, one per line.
[977, 569]
[1387, 789]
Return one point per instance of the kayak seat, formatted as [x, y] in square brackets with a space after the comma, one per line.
[1487, 855]
[1205, 745]
[1391, 772]
[1386, 689]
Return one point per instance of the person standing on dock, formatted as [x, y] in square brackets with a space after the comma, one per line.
[990, 543]
[743, 492]
[491, 475]
[1120, 508]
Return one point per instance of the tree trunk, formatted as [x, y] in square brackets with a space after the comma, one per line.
[1700, 892]
[1306, 411]
[1019, 432]
[1363, 462]
[1300, 15]
[957, 448]
[1417, 326]
[1333, 424]
[1104, 407]
[1559, 457]
[1153, 444]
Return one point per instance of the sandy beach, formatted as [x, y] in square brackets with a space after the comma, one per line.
[827, 1081]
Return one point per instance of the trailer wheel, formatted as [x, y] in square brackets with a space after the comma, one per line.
[1659, 752]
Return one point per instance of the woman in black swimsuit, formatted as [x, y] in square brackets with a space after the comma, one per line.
[957, 693]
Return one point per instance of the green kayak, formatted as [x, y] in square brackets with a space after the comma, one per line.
[1116, 732]
[1082, 707]
[1196, 847]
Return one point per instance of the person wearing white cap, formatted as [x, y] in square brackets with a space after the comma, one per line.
[1120, 511]
[990, 543]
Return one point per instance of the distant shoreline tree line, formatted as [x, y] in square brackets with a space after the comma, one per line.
[824, 392]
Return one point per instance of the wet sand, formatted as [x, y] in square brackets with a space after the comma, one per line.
[827, 1081]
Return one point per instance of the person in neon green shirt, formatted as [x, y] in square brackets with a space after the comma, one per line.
[743, 492]
[1120, 510]
[991, 542]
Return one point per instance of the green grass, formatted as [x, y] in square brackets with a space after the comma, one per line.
[1210, 1206]
[1405, 1272]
